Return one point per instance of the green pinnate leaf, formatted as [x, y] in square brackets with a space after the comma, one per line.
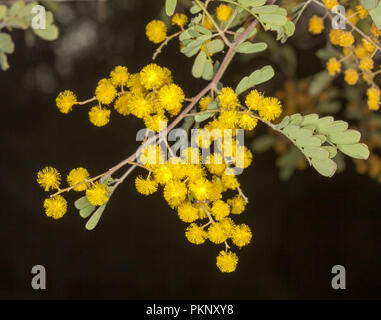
[356, 150]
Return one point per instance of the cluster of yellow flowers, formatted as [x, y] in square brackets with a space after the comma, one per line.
[358, 52]
[78, 180]
[150, 95]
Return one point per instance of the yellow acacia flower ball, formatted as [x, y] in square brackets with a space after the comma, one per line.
[375, 31]
[373, 98]
[351, 76]
[237, 204]
[152, 76]
[223, 12]
[156, 31]
[220, 210]
[175, 193]
[119, 76]
[179, 19]
[366, 64]
[360, 51]
[217, 233]
[49, 178]
[215, 164]
[187, 212]
[333, 66]
[247, 122]
[201, 188]
[55, 207]
[204, 102]
[352, 16]
[99, 116]
[140, 105]
[196, 234]
[369, 47]
[316, 25]
[362, 12]
[77, 176]
[122, 104]
[65, 101]
[97, 194]
[228, 98]
[229, 181]
[156, 122]
[171, 98]
[227, 261]
[254, 100]
[270, 109]
[208, 24]
[145, 186]
[335, 35]
[241, 235]
[346, 39]
[105, 91]
[330, 4]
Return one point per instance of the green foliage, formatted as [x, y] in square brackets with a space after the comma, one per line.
[257, 77]
[170, 7]
[374, 11]
[20, 16]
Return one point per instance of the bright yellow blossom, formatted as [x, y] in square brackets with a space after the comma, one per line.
[156, 31]
[196, 234]
[66, 100]
[227, 261]
[351, 76]
[223, 12]
[49, 178]
[179, 19]
[97, 194]
[333, 66]
[145, 186]
[99, 116]
[119, 76]
[76, 176]
[316, 25]
[55, 207]
[105, 91]
[241, 235]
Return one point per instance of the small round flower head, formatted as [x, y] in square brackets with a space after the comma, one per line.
[227, 261]
[171, 98]
[270, 109]
[99, 116]
[179, 19]
[217, 233]
[216, 164]
[351, 16]
[49, 178]
[366, 64]
[223, 12]
[122, 104]
[228, 98]
[373, 98]
[151, 156]
[145, 186]
[140, 105]
[220, 210]
[228, 119]
[333, 66]
[228, 225]
[335, 35]
[97, 194]
[65, 101]
[237, 204]
[77, 176]
[351, 76]
[241, 235]
[369, 47]
[119, 76]
[55, 207]
[316, 25]
[156, 31]
[229, 181]
[346, 39]
[360, 51]
[330, 4]
[152, 76]
[362, 12]
[163, 174]
[187, 212]
[105, 91]
[208, 24]
[375, 31]
[243, 157]
[204, 102]
[247, 122]
[134, 83]
[201, 188]
[254, 100]
[196, 234]
[175, 193]
[156, 122]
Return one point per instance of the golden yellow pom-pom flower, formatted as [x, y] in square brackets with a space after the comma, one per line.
[97, 194]
[204, 102]
[55, 207]
[65, 101]
[175, 193]
[373, 98]
[201, 188]
[333, 66]
[335, 35]
[237, 204]
[171, 98]
[99, 116]
[241, 235]
[369, 47]
[270, 109]
[228, 98]
[375, 31]
[220, 209]
[366, 64]
[223, 12]
[156, 31]
[196, 234]
[187, 212]
[351, 76]
[145, 186]
[217, 233]
[49, 178]
[215, 164]
[330, 4]
[152, 76]
[179, 19]
[247, 122]
[77, 176]
[227, 261]
[105, 91]
[140, 105]
[208, 24]
[119, 76]
[351, 16]
[316, 25]
[229, 181]
[360, 51]
[122, 104]
[156, 122]
[362, 12]
[254, 100]
[346, 39]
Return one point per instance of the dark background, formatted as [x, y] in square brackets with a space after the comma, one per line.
[301, 228]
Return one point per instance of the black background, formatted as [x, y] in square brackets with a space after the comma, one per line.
[301, 228]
